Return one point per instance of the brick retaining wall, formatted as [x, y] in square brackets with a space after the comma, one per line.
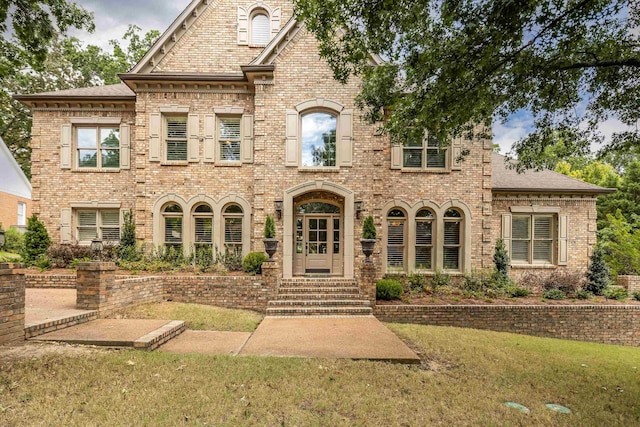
[603, 324]
[67, 281]
[12, 301]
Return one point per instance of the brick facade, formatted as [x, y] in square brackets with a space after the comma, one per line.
[9, 209]
[602, 324]
[12, 303]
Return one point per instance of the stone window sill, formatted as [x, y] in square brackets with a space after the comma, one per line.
[322, 170]
[96, 170]
[433, 171]
[535, 266]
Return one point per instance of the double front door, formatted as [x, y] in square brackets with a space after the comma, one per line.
[317, 244]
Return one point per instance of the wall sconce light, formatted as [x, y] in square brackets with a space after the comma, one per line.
[278, 206]
[358, 208]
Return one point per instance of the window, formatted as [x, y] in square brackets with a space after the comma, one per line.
[176, 138]
[172, 217]
[424, 155]
[395, 240]
[319, 140]
[103, 224]
[424, 240]
[22, 214]
[452, 247]
[98, 147]
[229, 139]
[233, 229]
[260, 30]
[203, 226]
[532, 239]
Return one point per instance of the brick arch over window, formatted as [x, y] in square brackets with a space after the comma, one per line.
[344, 137]
[158, 232]
[218, 224]
[289, 216]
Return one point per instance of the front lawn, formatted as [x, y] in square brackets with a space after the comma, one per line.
[466, 377]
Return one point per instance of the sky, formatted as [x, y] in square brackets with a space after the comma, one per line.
[113, 17]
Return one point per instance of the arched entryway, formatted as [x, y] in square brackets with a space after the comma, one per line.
[318, 230]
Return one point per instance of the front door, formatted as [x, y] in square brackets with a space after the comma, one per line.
[317, 244]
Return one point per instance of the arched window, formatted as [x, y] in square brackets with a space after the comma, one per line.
[260, 29]
[452, 245]
[203, 226]
[318, 140]
[233, 216]
[396, 223]
[172, 217]
[424, 239]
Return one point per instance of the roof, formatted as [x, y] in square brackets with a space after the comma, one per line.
[12, 179]
[506, 180]
[118, 91]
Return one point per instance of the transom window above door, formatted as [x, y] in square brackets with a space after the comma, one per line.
[319, 140]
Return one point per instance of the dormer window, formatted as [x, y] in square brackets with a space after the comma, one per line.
[259, 29]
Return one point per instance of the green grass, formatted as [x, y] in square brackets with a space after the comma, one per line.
[471, 375]
[198, 317]
[9, 257]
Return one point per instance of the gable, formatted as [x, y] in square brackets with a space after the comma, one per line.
[12, 179]
[207, 37]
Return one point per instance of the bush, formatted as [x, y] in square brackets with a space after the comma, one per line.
[63, 255]
[616, 293]
[583, 294]
[269, 228]
[231, 259]
[127, 248]
[14, 241]
[566, 281]
[501, 259]
[636, 296]
[36, 240]
[417, 282]
[517, 292]
[252, 263]
[388, 289]
[554, 294]
[369, 228]
[440, 279]
[42, 262]
[202, 257]
[443, 290]
[597, 274]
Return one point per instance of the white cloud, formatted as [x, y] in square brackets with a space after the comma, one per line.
[514, 129]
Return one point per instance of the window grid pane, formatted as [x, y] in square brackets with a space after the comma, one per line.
[395, 244]
[229, 139]
[203, 230]
[176, 138]
[233, 231]
[173, 230]
[424, 240]
[318, 140]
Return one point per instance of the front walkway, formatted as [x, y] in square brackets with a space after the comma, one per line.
[43, 305]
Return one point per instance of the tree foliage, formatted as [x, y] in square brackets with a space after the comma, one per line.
[598, 273]
[454, 62]
[36, 240]
[620, 241]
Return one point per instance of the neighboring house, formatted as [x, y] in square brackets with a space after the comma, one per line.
[15, 192]
[232, 115]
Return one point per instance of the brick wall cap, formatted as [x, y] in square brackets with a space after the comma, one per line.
[96, 266]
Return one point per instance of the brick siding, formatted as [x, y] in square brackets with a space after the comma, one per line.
[630, 283]
[12, 302]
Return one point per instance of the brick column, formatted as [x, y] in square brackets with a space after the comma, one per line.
[367, 281]
[12, 301]
[93, 284]
[271, 273]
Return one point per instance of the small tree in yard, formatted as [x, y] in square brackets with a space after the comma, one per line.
[127, 248]
[597, 274]
[501, 259]
[36, 240]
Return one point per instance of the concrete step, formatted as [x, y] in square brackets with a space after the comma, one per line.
[317, 290]
[318, 311]
[38, 328]
[320, 303]
[317, 296]
[317, 283]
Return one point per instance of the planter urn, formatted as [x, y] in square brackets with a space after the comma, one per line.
[367, 248]
[270, 247]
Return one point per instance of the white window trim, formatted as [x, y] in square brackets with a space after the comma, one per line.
[97, 127]
[219, 118]
[165, 139]
[255, 12]
[98, 212]
[531, 213]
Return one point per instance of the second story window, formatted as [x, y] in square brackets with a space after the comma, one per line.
[176, 138]
[426, 154]
[98, 147]
[318, 140]
[260, 31]
[229, 138]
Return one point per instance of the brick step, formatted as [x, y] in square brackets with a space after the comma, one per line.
[34, 329]
[315, 283]
[318, 290]
[317, 296]
[319, 311]
[319, 303]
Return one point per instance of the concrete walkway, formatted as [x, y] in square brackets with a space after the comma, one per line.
[42, 305]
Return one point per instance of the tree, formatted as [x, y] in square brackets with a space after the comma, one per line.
[598, 273]
[35, 24]
[626, 200]
[450, 63]
[36, 240]
[501, 259]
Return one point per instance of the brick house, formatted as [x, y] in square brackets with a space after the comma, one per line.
[232, 115]
[15, 192]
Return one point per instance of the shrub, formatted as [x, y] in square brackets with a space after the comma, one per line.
[440, 279]
[443, 290]
[231, 259]
[127, 248]
[566, 281]
[42, 262]
[369, 228]
[554, 294]
[417, 282]
[252, 263]
[636, 296]
[14, 241]
[388, 289]
[202, 257]
[501, 259]
[583, 294]
[616, 293]
[597, 274]
[63, 255]
[36, 240]
[269, 228]
[517, 292]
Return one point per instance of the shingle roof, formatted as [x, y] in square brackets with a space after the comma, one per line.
[546, 181]
[119, 90]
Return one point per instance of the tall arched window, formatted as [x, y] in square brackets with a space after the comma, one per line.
[396, 223]
[203, 226]
[172, 217]
[424, 239]
[232, 217]
[452, 245]
[318, 140]
[260, 29]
